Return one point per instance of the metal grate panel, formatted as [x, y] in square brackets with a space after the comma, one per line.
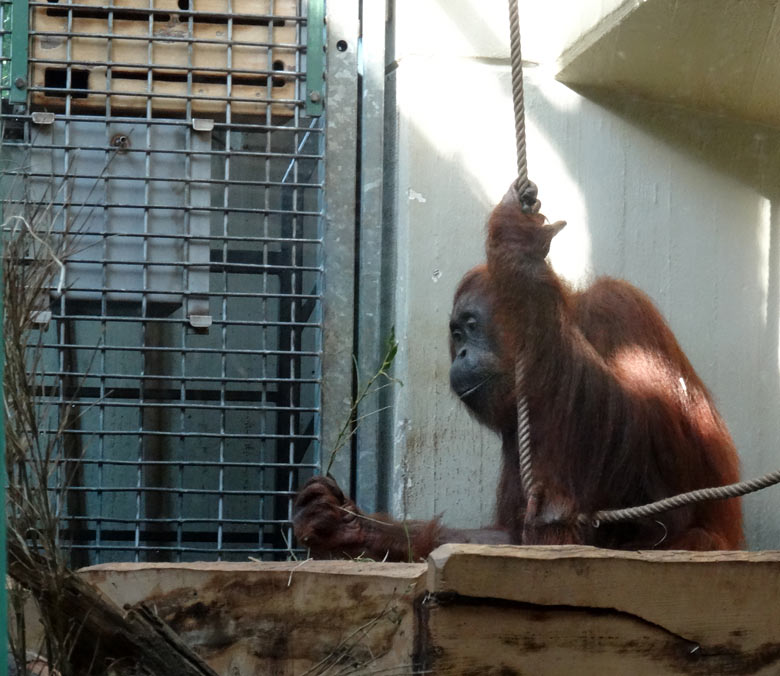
[189, 329]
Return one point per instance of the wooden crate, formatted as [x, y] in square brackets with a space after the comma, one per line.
[137, 55]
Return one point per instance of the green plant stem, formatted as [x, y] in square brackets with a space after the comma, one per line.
[352, 422]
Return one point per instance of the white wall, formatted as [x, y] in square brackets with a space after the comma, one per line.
[683, 205]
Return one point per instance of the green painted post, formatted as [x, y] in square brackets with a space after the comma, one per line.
[315, 57]
[3, 555]
[3, 479]
[18, 68]
[20, 29]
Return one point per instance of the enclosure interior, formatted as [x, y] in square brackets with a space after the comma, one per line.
[168, 143]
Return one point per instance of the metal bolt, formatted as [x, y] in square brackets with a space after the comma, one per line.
[315, 97]
[20, 83]
[120, 142]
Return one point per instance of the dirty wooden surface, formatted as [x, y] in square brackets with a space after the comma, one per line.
[578, 610]
[102, 633]
[536, 611]
[253, 619]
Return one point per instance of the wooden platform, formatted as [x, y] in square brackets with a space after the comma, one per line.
[132, 55]
[592, 612]
[471, 609]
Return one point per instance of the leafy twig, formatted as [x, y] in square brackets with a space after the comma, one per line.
[382, 375]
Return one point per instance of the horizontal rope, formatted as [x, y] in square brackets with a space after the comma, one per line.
[717, 493]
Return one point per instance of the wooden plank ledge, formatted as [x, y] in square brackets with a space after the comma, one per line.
[565, 610]
[472, 609]
[279, 618]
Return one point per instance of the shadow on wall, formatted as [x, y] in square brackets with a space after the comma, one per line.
[448, 456]
[669, 199]
[722, 264]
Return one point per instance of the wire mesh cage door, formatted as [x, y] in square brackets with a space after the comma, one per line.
[168, 142]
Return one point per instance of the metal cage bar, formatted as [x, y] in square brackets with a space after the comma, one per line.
[171, 144]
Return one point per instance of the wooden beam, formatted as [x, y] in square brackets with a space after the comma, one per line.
[546, 611]
[291, 618]
[564, 610]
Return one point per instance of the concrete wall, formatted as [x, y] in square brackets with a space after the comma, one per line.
[683, 204]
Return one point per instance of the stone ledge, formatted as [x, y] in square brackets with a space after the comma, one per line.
[717, 56]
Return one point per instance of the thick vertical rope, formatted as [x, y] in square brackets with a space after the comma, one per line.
[523, 428]
[517, 97]
[521, 184]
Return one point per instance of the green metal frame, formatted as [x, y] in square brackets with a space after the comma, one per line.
[20, 23]
[4, 475]
[315, 57]
[20, 29]
[3, 530]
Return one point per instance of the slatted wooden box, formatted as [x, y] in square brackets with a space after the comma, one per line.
[205, 53]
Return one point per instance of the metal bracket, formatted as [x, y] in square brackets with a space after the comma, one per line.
[315, 57]
[40, 317]
[20, 31]
[201, 322]
[202, 124]
[43, 118]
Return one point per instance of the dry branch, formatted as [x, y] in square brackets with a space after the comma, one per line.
[102, 633]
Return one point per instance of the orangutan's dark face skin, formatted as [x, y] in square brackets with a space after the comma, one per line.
[478, 374]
